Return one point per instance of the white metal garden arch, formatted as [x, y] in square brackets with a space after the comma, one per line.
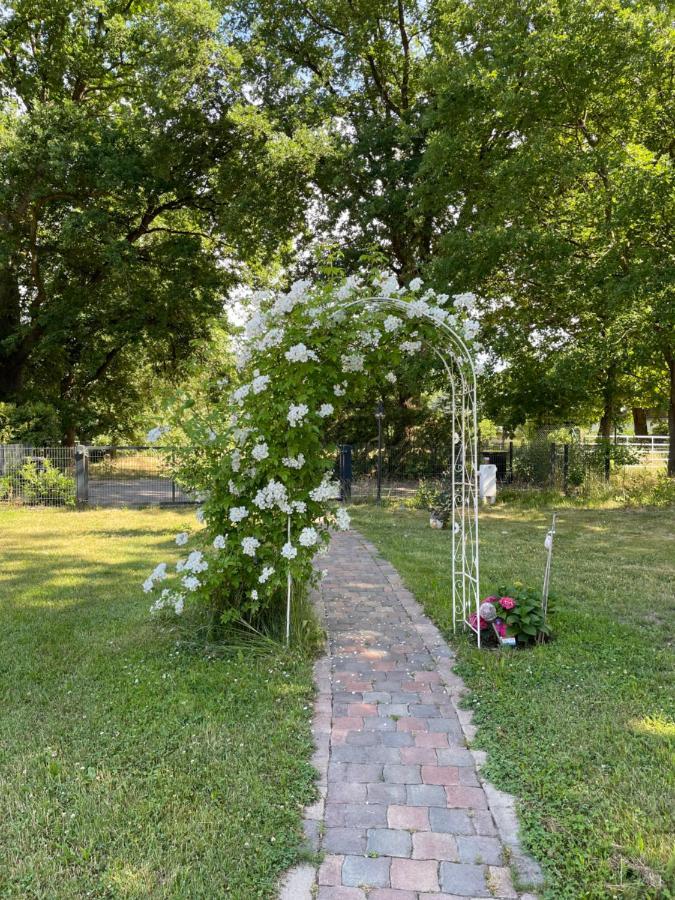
[461, 374]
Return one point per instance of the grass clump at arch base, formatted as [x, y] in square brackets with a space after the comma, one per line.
[582, 729]
[130, 766]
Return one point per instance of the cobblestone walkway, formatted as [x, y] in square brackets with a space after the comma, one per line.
[403, 814]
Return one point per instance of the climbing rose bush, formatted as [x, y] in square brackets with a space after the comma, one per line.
[258, 459]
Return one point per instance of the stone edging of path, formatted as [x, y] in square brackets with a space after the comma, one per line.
[300, 883]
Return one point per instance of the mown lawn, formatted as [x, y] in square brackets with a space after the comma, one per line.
[129, 767]
[582, 730]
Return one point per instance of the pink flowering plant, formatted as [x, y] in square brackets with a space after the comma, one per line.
[519, 614]
[257, 456]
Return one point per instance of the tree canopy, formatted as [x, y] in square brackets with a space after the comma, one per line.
[135, 180]
[157, 156]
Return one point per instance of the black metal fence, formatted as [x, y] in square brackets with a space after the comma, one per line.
[88, 476]
[543, 461]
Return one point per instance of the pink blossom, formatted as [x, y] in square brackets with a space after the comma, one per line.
[500, 628]
[507, 602]
[491, 599]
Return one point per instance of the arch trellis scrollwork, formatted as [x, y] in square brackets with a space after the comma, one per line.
[458, 365]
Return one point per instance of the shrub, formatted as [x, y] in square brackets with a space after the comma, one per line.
[38, 483]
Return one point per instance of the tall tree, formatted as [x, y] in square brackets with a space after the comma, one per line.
[134, 180]
[354, 68]
[562, 116]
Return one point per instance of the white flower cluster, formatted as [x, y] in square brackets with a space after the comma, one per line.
[238, 513]
[157, 574]
[169, 598]
[182, 539]
[259, 383]
[411, 346]
[296, 414]
[326, 409]
[342, 518]
[288, 551]
[273, 494]
[327, 490]
[195, 563]
[300, 353]
[464, 301]
[387, 284]
[219, 542]
[241, 394]
[260, 451]
[294, 462]
[391, 323]
[391, 378]
[308, 537]
[266, 574]
[352, 362]
[249, 545]
[339, 390]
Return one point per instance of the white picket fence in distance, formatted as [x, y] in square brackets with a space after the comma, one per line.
[651, 449]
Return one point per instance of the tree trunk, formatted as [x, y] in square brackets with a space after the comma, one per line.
[670, 359]
[605, 429]
[640, 420]
[12, 364]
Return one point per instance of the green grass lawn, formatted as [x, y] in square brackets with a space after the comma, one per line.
[128, 767]
[583, 729]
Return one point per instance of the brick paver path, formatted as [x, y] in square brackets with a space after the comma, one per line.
[405, 815]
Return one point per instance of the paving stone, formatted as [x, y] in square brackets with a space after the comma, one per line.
[426, 795]
[450, 821]
[440, 774]
[347, 792]
[330, 870]
[362, 871]
[389, 842]
[365, 815]
[397, 739]
[467, 797]
[500, 883]
[432, 739]
[434, 845]
[414, 874]
[298, 883]
[340, 893]
[414, 818]
[480, 850]
[464, 880]
[398, 774]
[391, 894]
[416, 756]
[344, 840]
[483, 822]
[385, 793]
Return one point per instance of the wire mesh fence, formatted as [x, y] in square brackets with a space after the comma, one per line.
[93, 476]
[37, 475]
[539, 462]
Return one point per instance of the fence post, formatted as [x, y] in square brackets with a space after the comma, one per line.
[81, 474]
[553, 461]
[511, 462]
[345, 471]
[607, 461]
[566, 467]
